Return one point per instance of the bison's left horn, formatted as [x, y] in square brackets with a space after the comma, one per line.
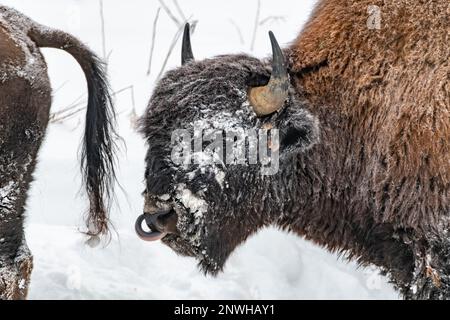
[270, 98]
[186, 49]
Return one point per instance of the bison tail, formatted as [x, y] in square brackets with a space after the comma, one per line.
[98, 148]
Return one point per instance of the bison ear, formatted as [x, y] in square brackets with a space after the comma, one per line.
[299, 131]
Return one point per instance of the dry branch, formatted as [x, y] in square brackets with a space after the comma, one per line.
[131, 88]
[169, 13]
[238, 30]
[155, 22]
[74, 108]
[169, 52]
[102, 20]
[180, 24]
[181, 13]
[255, 27]
[272, 18]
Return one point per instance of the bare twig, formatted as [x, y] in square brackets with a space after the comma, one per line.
[102, 20]
[169, 52]
[272, 18]
[180, 25]
[193, 25]
[173, 43]
[183, 17]
[74, 108]
[63, 117]
[108, 55]
[60, 87]
[131, 88]
[239, 32]
[66, 109]
[78, 99]
[70, 106]
[169, 13]
[255, 27]
[134, 119]
[155, 21]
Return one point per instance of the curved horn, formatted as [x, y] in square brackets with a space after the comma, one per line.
[269, 98]
[186, 49]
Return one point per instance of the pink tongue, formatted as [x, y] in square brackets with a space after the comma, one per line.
[147, 235]
[152, 236]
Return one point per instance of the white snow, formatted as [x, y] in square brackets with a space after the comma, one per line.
[220, 177]
[8, 195]
[272, 264]
[195, 204]
[7, 189]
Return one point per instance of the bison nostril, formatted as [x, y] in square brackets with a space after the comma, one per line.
[167, 222]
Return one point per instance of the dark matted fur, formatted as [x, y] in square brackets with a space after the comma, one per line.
[374, 187]
[25, 99]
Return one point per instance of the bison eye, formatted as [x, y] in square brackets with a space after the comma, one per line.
[292, 136]
[258, 80]
[159, 184]
[298, 132]
[158, 176]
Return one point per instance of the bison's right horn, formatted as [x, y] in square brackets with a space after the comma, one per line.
[186, 49]
[270, 98]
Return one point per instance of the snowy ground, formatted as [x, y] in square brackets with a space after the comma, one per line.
[272, 264]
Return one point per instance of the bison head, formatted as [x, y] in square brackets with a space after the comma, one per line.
[220, 113]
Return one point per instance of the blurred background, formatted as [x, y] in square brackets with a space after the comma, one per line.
[140, 39]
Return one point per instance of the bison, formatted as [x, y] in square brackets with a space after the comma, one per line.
[25, 99]
[362, 107]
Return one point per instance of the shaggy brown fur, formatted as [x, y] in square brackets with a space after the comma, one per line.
[382, 97]
[25, 99]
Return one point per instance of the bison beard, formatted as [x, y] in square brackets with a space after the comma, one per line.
[374, 188]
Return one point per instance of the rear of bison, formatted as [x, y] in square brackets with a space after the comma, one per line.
[25, 99]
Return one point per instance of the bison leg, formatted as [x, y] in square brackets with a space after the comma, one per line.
[15, 274]
[16, 166]
[15, 257]
[432, 268]
[24, 112]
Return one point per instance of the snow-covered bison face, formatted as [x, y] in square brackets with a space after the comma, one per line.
[219, 132]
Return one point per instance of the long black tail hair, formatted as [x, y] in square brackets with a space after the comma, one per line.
[99, 143]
